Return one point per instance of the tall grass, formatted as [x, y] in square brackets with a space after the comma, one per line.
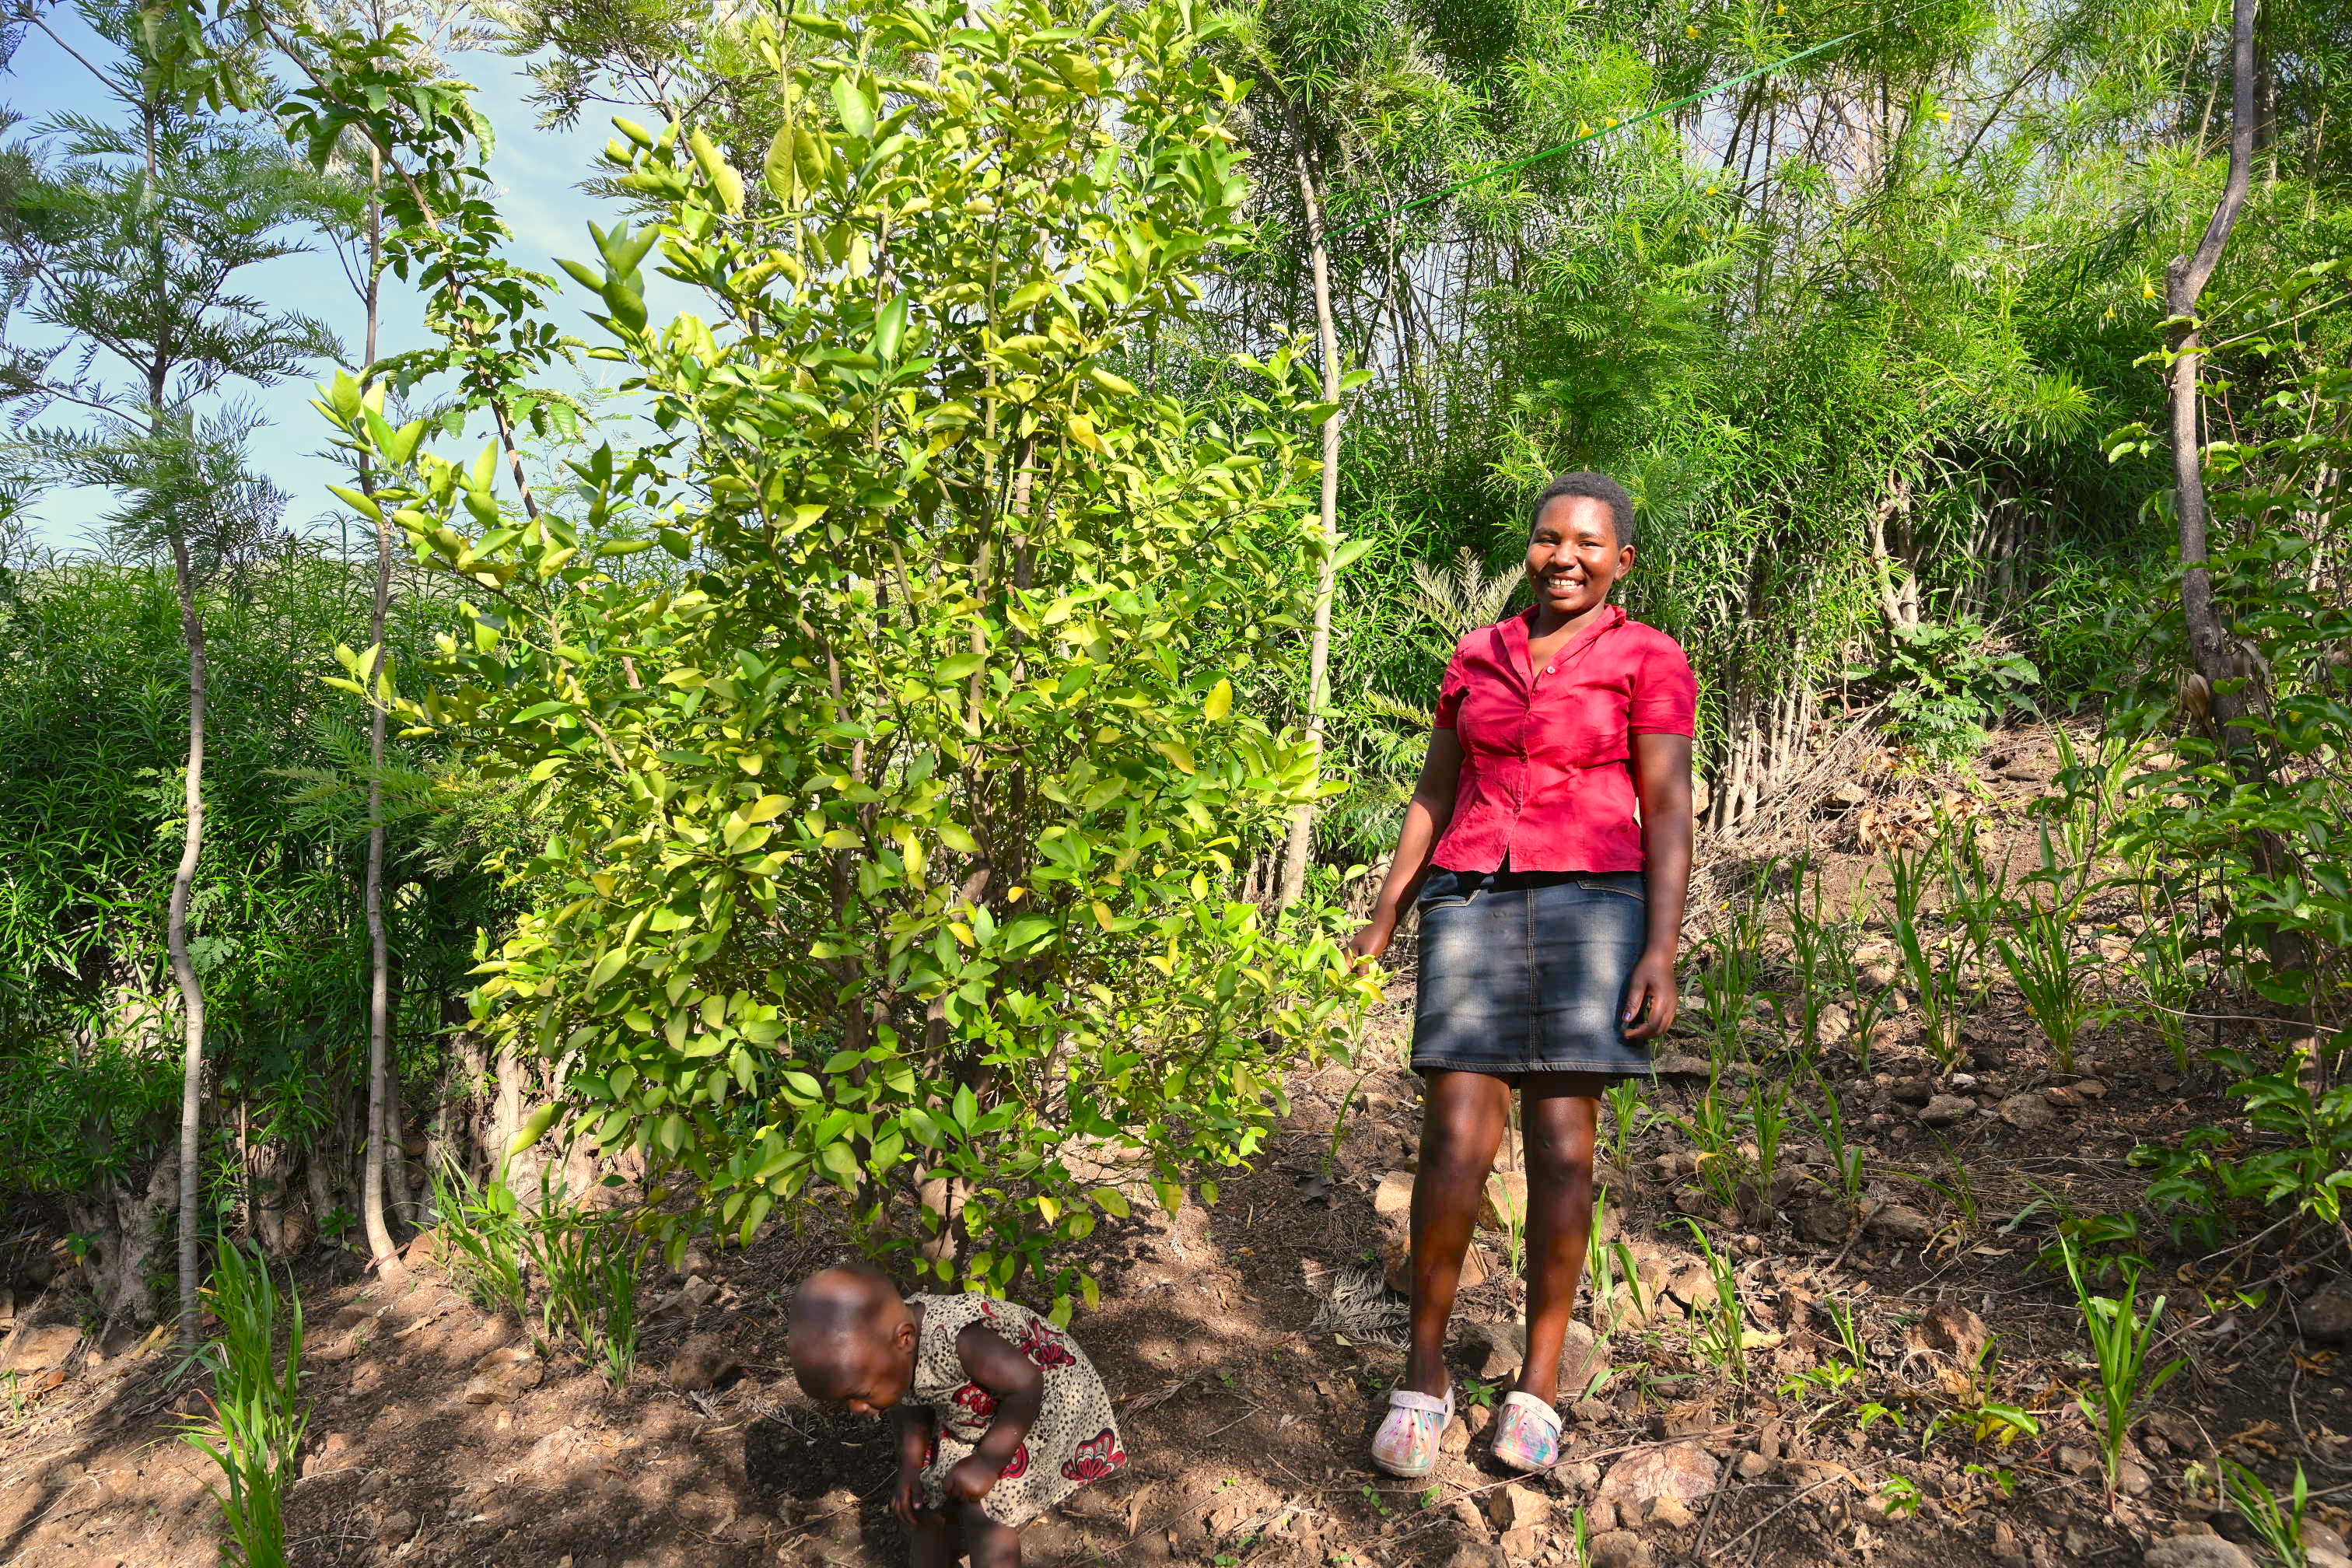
[258, 1412]
[2122, 1342]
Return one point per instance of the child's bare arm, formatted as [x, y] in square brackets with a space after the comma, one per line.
[1020, 1390]
[914, 1433]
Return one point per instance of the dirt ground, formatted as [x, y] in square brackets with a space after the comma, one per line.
[1248, 1347]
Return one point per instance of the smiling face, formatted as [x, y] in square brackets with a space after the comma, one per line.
[866, 1373]
[1573, 556]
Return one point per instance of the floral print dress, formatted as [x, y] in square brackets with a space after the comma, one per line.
[1074, 1440]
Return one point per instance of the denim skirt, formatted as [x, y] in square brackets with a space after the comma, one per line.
[1527, 971]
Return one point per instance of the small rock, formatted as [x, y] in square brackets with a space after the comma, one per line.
[2027, 1112]
[1900, 1223]
[1580, 1477]
[396, 1529]
[1495, 1349]
[1519, 1546]
[2076, 1461]
[1478, 1554]
[2061, 1097]
[1672, 1513]
[1516, 1508]
[1685, 1471]
[1823, 1220]
[1592, 1412]
[1683, 1065]
[701, 1363]
[1478, 1419]
[1834, 1024]
[1392, 1199]
[1911, 1090]
[2318, 1537]
[2326, 1318]
[2163, 1431]
[2195, 1551]
[1753, 1466]
[1396, 1266]
[2132, 1479]
[503, 1376]
[332, 1454]
[698, 1291]
[42, 1347]
[1505, 1207]
[1455, 1439]
[1620, 1549]
[695, 1263]
[1952, 1330]
[2090, 1088]
[2005, 1543]
[1692, 1286]
[1945, 1108]
[2080, 1541]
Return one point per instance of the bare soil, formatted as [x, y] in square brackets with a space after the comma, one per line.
[1249, 1354]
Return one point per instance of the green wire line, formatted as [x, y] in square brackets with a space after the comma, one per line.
[1682, 102]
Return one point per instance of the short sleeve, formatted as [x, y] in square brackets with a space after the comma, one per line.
[1666, 693]
[1450, 692]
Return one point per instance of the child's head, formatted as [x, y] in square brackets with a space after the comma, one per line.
[852, 1340]
[1581, 542]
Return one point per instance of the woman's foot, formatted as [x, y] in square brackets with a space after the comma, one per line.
[1526, 1433]
[1406, 1444]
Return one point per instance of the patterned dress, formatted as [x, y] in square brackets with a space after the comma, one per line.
[1074, 1440]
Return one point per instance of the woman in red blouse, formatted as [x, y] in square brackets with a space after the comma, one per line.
[1548, 848]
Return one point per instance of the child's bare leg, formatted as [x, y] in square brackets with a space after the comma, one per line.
[936, 1538]
[992, 1545]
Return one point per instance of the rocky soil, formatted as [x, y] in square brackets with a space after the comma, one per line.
[1249, 1345]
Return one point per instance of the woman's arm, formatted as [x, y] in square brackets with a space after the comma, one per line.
[1425, 820]
[1020, 1389]
[1662, 776]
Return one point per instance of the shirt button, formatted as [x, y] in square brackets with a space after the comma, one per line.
[1548, 669]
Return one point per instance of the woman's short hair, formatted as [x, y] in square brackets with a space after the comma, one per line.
[1592, 486]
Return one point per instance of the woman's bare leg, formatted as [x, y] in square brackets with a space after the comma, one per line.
[1463, 1117]
[1557, 1111]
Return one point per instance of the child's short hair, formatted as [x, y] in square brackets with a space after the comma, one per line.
[1590, 487]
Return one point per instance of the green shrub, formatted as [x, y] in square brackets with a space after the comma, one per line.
[894, 850]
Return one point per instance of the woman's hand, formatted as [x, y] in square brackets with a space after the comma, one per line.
[1650, 996]
[907, 1501]
[969, 1481]
[1371, 944]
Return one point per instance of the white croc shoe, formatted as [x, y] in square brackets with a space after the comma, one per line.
[1406, 1444]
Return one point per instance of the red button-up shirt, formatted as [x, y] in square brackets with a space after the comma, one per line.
[1547, 754]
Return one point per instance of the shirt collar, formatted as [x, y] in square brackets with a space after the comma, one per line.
[1520, 629]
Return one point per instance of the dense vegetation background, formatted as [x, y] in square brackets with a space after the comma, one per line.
[822, 855]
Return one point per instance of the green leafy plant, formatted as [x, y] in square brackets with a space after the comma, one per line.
[2277, 1525]
[1628, 1115]
[480, 1236]
[2046, 963]
[2212, 1180]
[1938, 981]
[1723, 1334]
[258, 1411]
[1848, 1160]
[1944, 682]
[2122, 1340]
[1900, 1496]
[889, 885]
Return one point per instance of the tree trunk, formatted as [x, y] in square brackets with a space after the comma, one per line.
[2207, 645]
[175, 938]
[371, 1174]
[1318, 658]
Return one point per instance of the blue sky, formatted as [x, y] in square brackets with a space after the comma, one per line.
[537, 173]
